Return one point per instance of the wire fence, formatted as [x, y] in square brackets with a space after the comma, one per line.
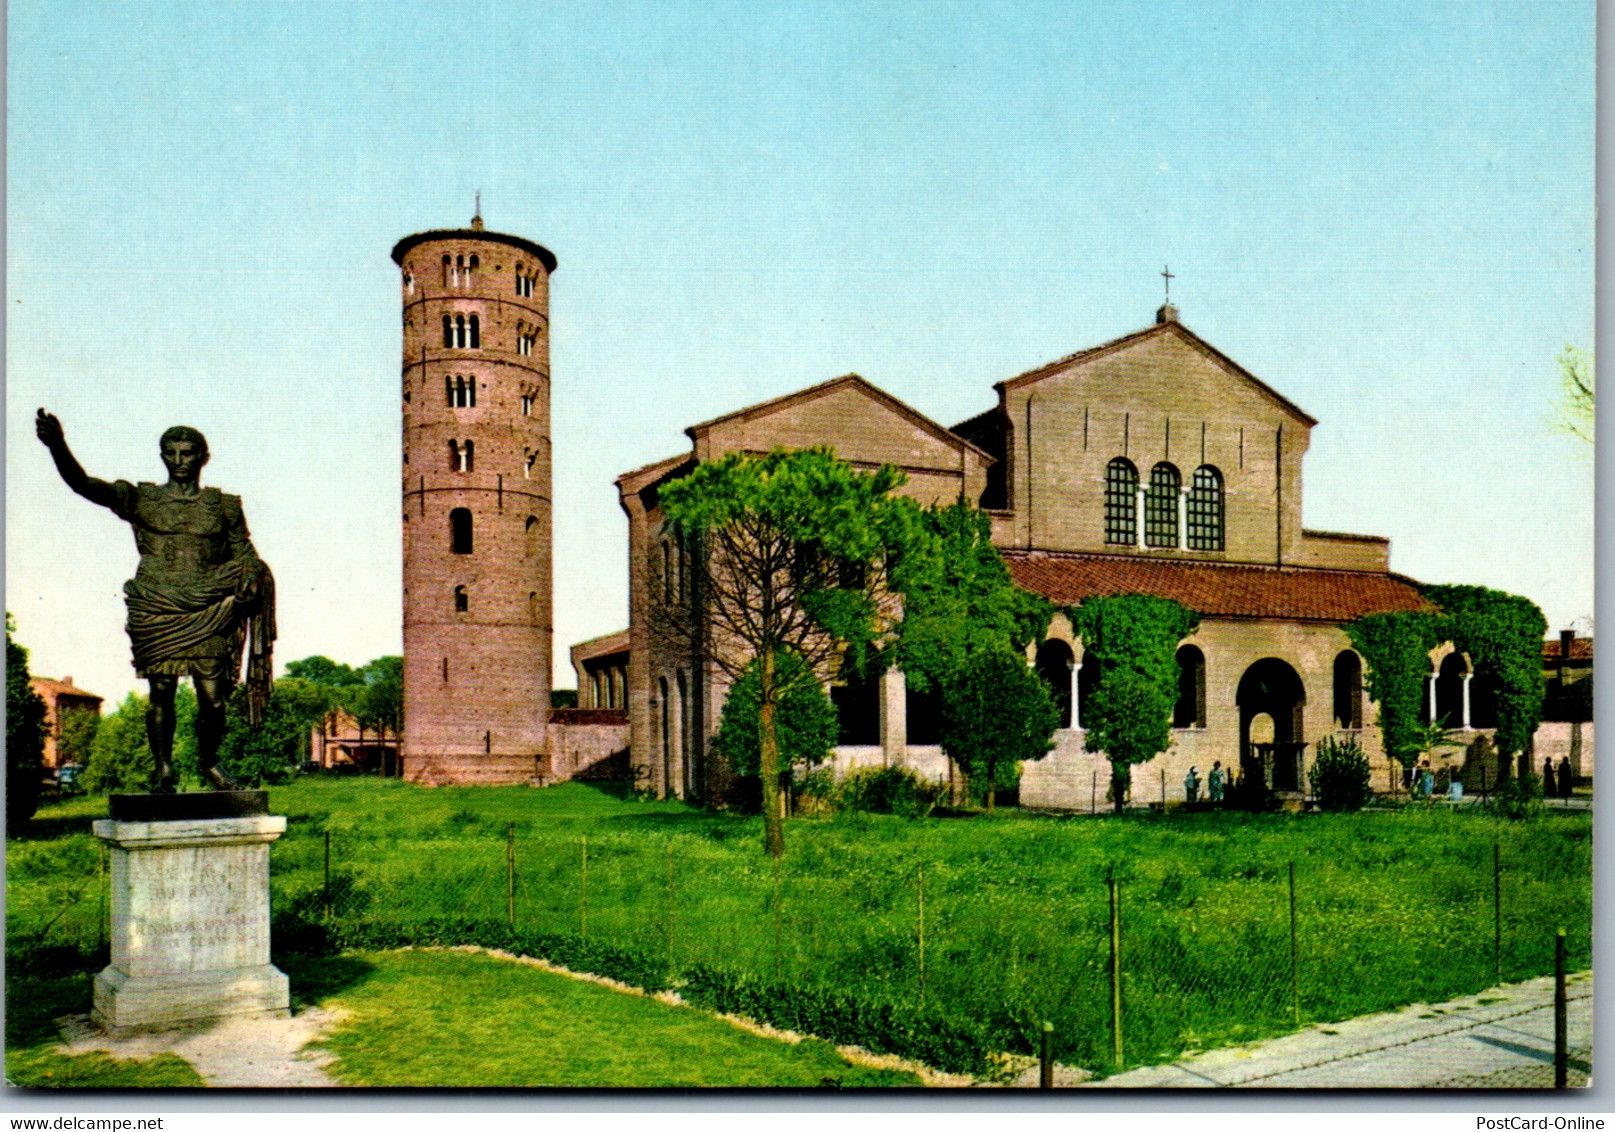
[1131, 961]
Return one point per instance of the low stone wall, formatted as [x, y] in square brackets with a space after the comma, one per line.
[581, 740]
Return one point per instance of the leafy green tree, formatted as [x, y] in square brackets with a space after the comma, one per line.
[996, 714]
[804, 722]
[958, 599]
[25, 735]
[271, 753]
[1133, 638]
[323, 670]
[380, 703]
[76, 738]
[1577, 413]
[792, 552]
[121, 758]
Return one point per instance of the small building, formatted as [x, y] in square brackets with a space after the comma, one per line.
[1567, 709]
[339, 742]
[601, 666]
[62, 698]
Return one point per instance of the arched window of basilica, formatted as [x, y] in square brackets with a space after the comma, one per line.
[1161, 506]
[1121, 502]
[1205, 509]
[1190, 710]
[1348, 691]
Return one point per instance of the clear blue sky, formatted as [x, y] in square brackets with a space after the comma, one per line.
[1385, 210]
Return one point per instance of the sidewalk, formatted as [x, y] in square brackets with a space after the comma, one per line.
[1499, 1039]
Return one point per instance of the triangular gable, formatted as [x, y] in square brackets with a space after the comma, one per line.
[849, 383]
[1161, 329]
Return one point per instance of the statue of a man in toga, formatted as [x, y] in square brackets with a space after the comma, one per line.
[199, 594]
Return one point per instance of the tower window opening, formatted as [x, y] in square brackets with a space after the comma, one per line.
[448, 333]
[524, 282]
[462, 603]
[528, 457]
[527, 404]
[445, 670]
[531, 533]
[459, 268]
[459, 332]
[460, 531]
[448, 390]
[476, 333]
[471, 271]
[409, 282]
[461, 456]
[446, 269]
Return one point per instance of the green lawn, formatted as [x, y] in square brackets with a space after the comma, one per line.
[1391, 907]
[456, 1020]
[33, 1003]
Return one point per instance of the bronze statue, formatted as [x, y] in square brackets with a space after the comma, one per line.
[199, 594]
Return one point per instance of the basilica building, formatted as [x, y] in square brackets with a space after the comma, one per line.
[1153, 464]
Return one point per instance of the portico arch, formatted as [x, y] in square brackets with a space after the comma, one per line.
[1273, 688]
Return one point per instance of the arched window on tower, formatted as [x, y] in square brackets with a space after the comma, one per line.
[459, 332]
[461, 455]
[1190, 710]
[1205, 509]
[527, 404]
[1161, 507]
[462, 603]
[460, 531]
[446, 269]
[448, 390]
[448, 332]
[471, 271]
[459, 268]
[1349, 691]
[476, 333]
[1121, 502]
[409, 282]
[530, 533]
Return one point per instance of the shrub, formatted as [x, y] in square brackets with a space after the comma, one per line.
[1518, 797]
[804, 719]
[1340, 775]
[890, 790]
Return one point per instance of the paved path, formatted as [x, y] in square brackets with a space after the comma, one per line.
[232, 1053]
[1498, 1039]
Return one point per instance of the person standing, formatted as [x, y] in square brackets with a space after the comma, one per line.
[1214, 782]
[1191, 786]
[1567, 780]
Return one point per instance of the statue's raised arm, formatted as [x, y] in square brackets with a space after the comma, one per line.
[49, 431]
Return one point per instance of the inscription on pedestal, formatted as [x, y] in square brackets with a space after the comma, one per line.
[190, 921]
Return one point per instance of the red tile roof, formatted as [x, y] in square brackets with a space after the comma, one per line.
[1580, 649]
[1216, 589]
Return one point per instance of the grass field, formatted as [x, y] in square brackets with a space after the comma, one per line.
[1390, 907]
[454, 1020]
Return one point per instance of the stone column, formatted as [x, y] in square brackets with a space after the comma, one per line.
[1467, 677]
[1432, 698]
[893, 718]
[190, 922]
[1183, 518]
[1138, 516]
[1076, 699]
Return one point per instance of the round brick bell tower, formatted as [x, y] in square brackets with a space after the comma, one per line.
[476, 484]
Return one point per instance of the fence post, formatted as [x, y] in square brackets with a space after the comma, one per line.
[1295, 960]
[922, 932]
[670, 905]
[583, 889]
[325, 892]
[1561, 1011]
[779, 957]
[510, 873]
[1045, 1077]
[1497, 911]
[1116, 970]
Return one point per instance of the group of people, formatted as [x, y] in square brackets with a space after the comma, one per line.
[1216, 783]
[1557, 782]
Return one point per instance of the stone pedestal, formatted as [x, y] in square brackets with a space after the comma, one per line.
[190, 921]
